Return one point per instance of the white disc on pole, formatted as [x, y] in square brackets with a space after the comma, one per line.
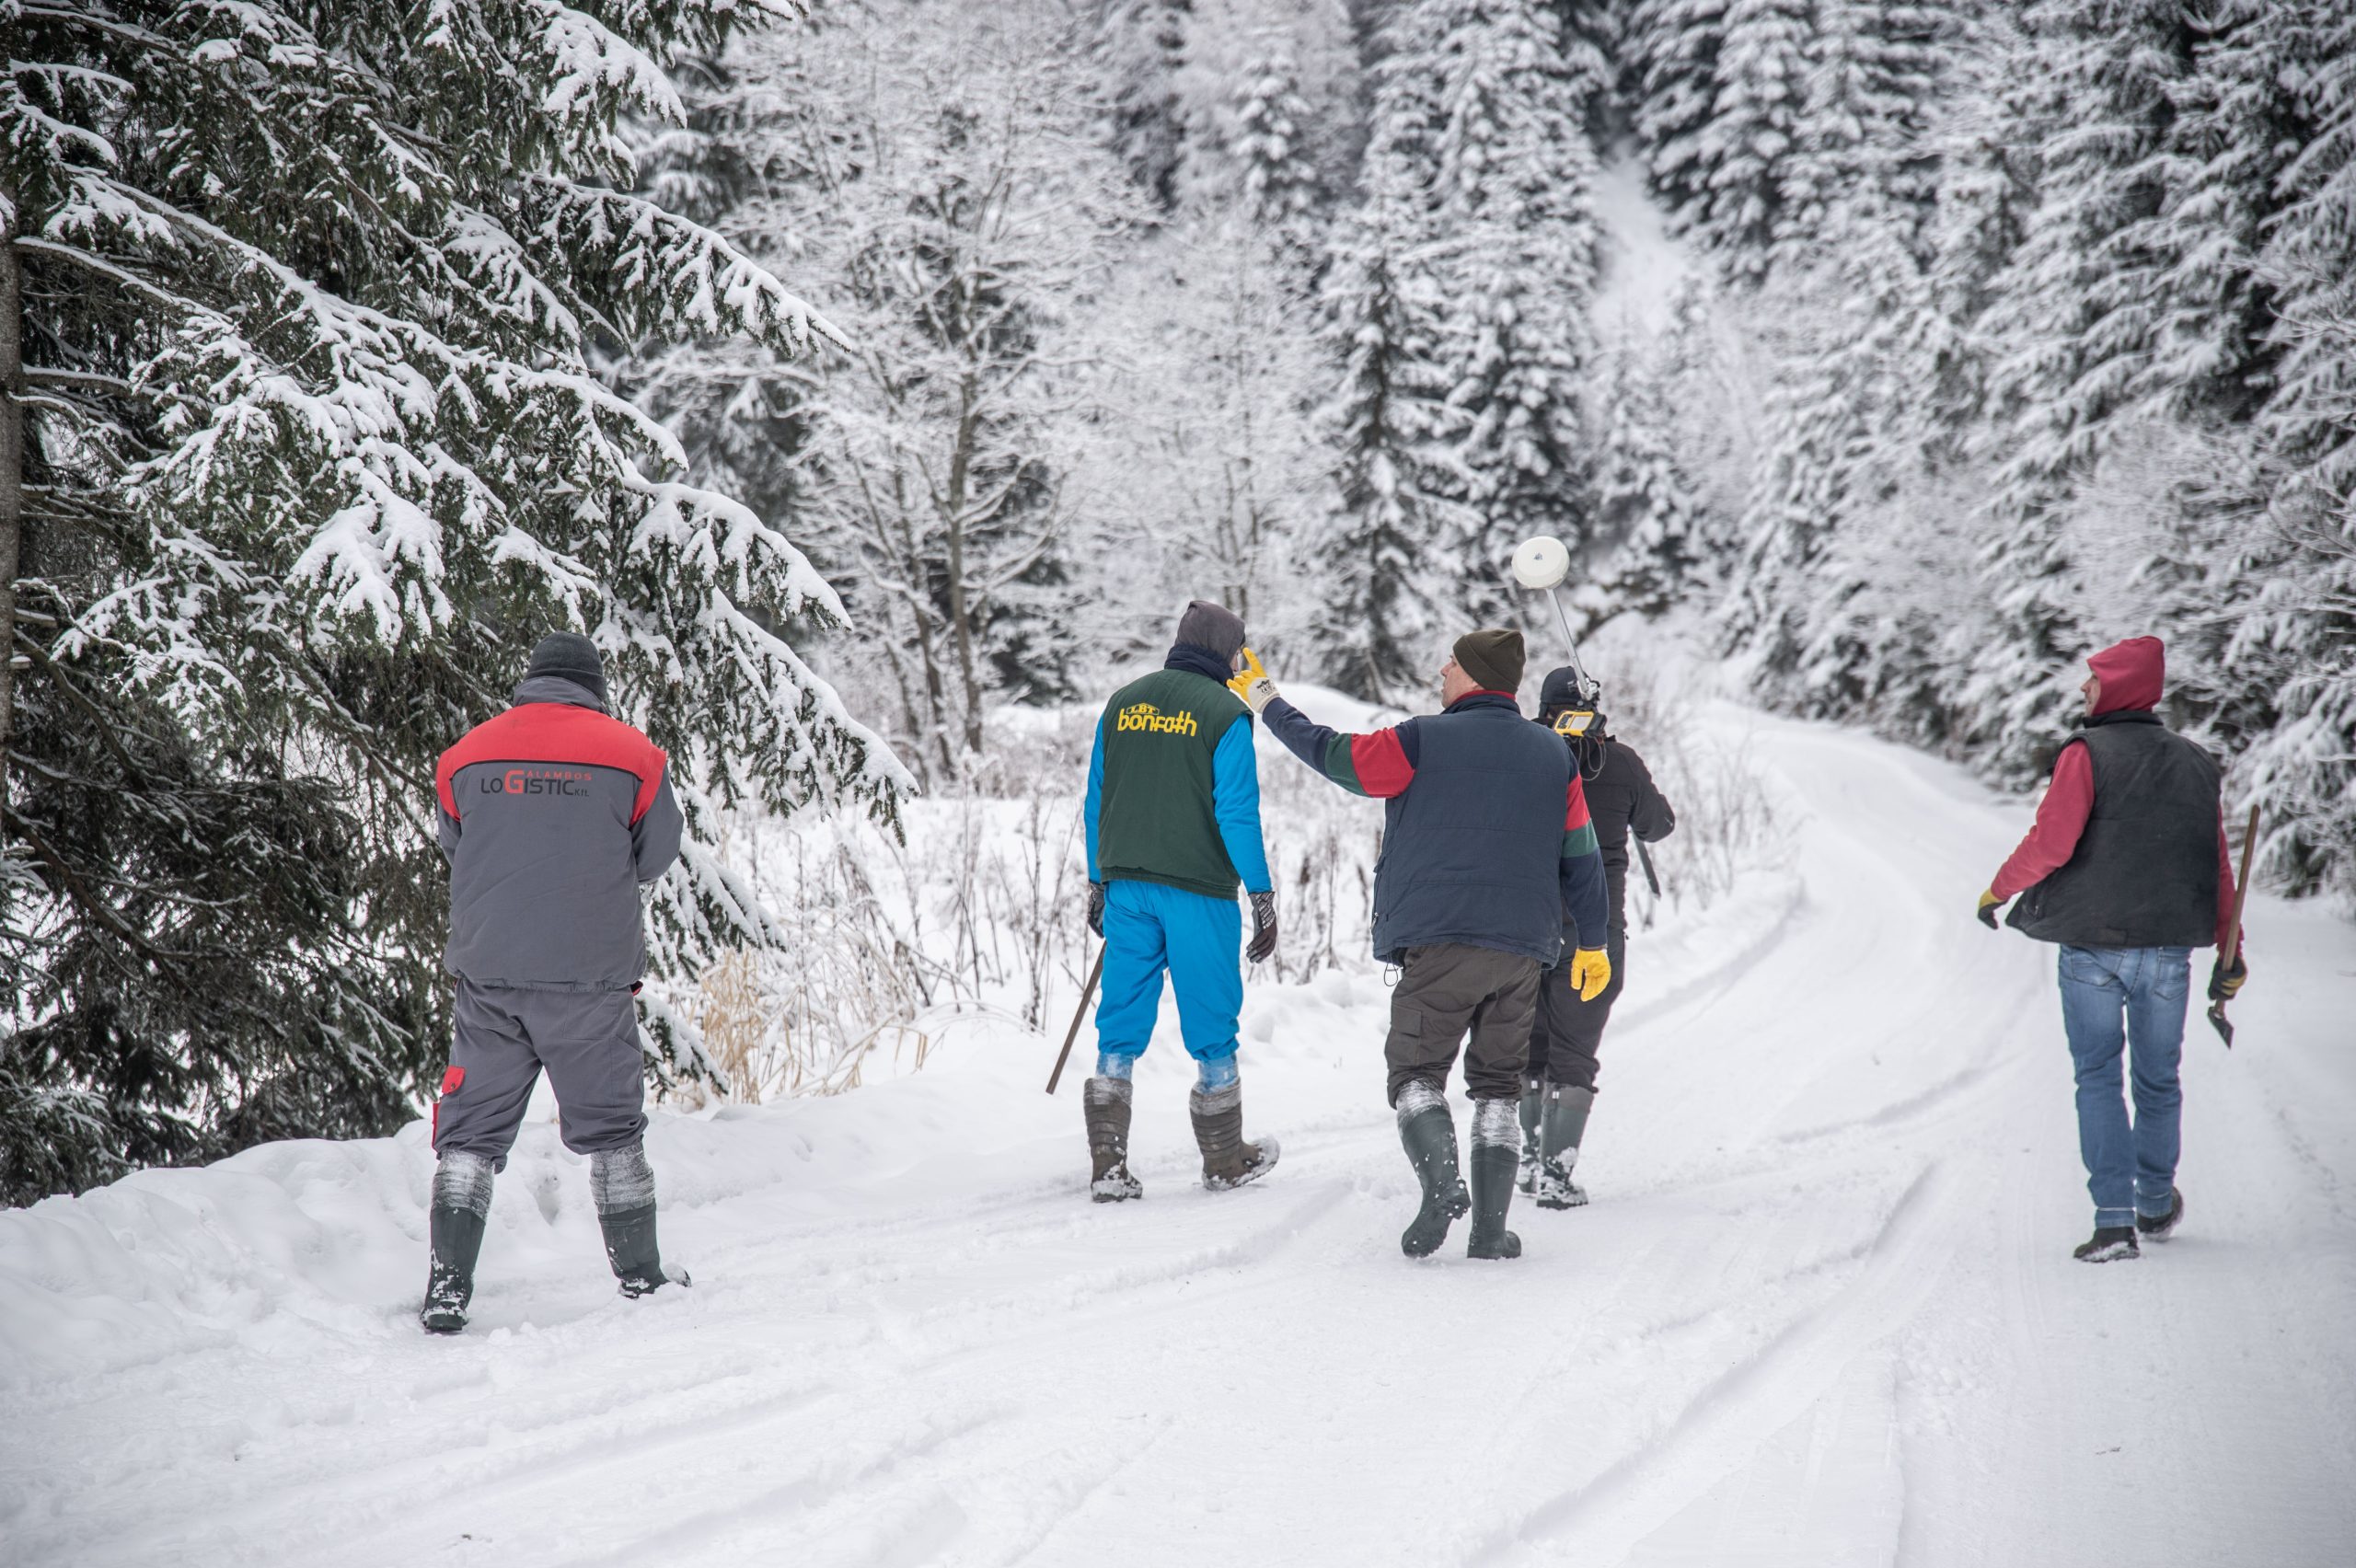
[1542, 562]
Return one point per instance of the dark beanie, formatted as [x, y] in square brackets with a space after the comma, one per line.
[571, 656]
[1492, 657]
[1215, 626]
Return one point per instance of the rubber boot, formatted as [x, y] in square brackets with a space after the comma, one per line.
[1561, 1127]
[1495, 1149]
[1228, 1160]
[453, 1227]
[1106, 1101]
[1428, 1133]
[1532, 1099]
[623, 1184]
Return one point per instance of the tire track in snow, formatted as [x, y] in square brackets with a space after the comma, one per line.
[1601, 1521]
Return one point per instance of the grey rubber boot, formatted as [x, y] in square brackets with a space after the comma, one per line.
[1428, 1133]
[1228, 1160]
[1106, 1101]
[1495, 1144]
[1532, 1097]
[623, 1184]
[1562, 1126]
[453, 1227]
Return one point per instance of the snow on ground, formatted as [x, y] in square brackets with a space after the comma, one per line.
[1821, 1311]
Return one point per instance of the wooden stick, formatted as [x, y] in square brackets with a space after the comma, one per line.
[1095, 973]
[2233, 947]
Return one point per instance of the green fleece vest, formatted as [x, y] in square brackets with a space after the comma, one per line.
[1156, 821]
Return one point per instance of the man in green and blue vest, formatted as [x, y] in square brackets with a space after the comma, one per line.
[1173, 828]
[1488, 854]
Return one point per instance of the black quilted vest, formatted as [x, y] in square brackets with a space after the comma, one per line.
[2145, 869]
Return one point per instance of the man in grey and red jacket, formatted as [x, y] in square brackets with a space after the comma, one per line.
[553, 815]
[1486, 845]
[2127, 871]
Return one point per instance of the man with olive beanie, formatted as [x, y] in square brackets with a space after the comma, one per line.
[1486, 844]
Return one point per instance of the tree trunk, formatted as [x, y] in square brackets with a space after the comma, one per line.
[960, 462]
[12, 460]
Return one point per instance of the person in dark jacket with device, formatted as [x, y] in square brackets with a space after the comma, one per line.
[2127, 871]
[552, 815]
[1172, 816]
[1487, 841]
[1558, 1085]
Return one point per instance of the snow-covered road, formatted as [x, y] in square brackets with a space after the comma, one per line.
[1822, 1311]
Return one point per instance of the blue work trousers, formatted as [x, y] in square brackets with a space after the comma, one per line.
[2131, 1000]
[1199, 939]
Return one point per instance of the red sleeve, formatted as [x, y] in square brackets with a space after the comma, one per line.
[2224, 886]
[2061, 818]
[1380, 764]
[1575, 812]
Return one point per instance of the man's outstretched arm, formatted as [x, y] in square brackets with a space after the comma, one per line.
[1381, 764]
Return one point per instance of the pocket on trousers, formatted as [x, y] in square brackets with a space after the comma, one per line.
[1407, 1024]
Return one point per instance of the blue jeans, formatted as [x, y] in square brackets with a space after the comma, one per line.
[2129, 999]
[1150, 929]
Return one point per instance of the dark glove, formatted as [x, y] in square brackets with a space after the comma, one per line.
[1989, 905]
[2224, 982]
[1096, 907]
[1264, 927]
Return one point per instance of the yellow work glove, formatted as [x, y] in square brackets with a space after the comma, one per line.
[1591, 971]
[1251, 683]
[1989, 905]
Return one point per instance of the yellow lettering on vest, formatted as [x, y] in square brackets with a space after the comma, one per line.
[1146, 717]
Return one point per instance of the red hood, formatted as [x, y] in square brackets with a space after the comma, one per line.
[2132, 673]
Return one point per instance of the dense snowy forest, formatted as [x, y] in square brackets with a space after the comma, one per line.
[874, 380]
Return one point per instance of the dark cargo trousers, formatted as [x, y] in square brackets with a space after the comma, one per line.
[1569, 1032]
[587, 1040]
[1446, 989]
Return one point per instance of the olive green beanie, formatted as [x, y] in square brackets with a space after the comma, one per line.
[1492, 656]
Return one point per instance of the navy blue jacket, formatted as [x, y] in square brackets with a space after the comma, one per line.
[1477, 798]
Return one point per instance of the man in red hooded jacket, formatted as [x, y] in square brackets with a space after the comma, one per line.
[2127, 871]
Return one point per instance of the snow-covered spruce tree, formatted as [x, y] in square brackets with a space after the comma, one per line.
[313, 450]
[1723, 94]
[1139, 49]
[1479, 173]
[1262, 130]
[1644, 501]
[2293, 583]
[1388, 430]
[939, 189]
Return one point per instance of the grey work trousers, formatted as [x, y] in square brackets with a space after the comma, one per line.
[1447, 989]
[587, 1040]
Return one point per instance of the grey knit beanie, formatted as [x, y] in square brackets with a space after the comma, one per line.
[572, 657]
[1215, 626]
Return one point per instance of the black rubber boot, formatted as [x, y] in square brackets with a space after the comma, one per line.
[453, 1226]
[1562, 1126]
[456, 1239]
[623, 1184]
[1533, 1092]
[1105, 1102]
[1228, 1160]
[1495, 1149]
[1428, 1133]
